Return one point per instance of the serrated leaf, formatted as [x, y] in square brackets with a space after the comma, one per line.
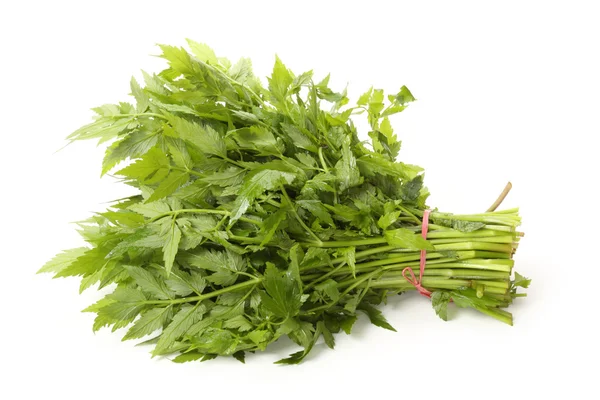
[238, 322]
[297, 357]
[404, 96]
[86, 264]
[189, 356]
[173, 182]
[150, 164]
[151, 210]
[141, 97]
[375, 316]
[280, 80]
[182, 321]
[150, 321]
[345, 169]
[255, 184]
[149, 283]
[202, 52]
[240, 356]
[171, 239]
[62, 260]
[316, 208]
[205, 138]
[439, 301]
[132, 146]
[271, 224]
[327, 336]
[347, 323]
[388, 219]
[224, 264]
[521, 281]
[282, 297]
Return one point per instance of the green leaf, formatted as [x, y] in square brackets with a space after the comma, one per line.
[388, 219]
[149, 165]
[149, 283]
[411, 189]
[86, 264]
[296, 256]
[230, 177]
[375, 316]
[62, 260]
[258, 138]
[280, 80]
[202, 52]
[328, 288]
[141, 97]
[132, 146]
[205, 138]
[240, 356]
[347, 323]
[407, 239]
[316, 208]
[364, 98]
[225, 265]
[173, 182]
[150, 321]
[182, 321]
[104, 129]
[404, 96]
[183, 283]
[179, 153]
[521, 281]
[255, 184]
[171, 239]
[238, 322]
[120, 308]
[189, 356]
[327, 336]
[371, 164]
[349, 255]
[345, 169]
[297, 357]
[282, 297]
[297, 137]
[271, 224]
[215, 341]
[151, 210]
[439, 301]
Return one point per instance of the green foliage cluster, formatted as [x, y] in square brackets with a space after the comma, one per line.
[261, 214]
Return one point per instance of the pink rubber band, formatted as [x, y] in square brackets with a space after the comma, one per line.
[408, 270]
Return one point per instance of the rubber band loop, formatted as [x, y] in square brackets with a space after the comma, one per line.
[409, 271]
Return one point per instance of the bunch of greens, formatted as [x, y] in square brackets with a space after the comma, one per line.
[262, 214]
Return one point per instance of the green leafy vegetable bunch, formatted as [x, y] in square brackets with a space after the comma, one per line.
[260, 213]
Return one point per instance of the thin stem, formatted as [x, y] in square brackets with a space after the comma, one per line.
[201, 297]
[141, 115]
[203, 211]
[500, 198]
[346, 243]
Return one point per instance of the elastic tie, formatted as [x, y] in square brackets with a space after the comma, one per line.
[409, 271]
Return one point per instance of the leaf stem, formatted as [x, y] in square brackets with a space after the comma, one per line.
[140, 115]
[500, 198]
[201, 297]
[203, 211]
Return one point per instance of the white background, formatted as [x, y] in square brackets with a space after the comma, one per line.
[506, 91]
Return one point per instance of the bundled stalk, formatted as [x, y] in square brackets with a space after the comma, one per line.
[261, 214]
